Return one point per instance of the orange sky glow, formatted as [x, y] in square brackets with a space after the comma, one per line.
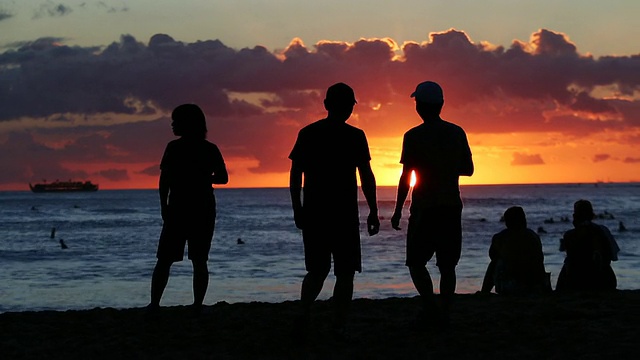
[535, 111]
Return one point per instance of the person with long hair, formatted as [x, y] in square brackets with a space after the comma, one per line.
[189, 167]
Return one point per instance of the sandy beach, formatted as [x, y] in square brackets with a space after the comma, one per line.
[482, 327]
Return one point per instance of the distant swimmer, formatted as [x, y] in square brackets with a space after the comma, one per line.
[549, 221]
[541, 230]
[621, 227]
[53, 232]
[240, 241]
[63, 245]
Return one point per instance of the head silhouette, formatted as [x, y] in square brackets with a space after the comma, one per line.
[429, 99]
[515, 219]
[189, 121]
[339, 101]
[582, 211]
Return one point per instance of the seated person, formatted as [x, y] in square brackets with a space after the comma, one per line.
[517, 261]
[590, 249]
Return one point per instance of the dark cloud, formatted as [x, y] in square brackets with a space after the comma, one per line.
[601, 157]
[112, 9]
[115, 174]
[151, 170]
[256, 100]
[526, 159]
[631, 160]
[4, 15]
[51, 9]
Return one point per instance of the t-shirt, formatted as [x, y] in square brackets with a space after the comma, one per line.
[438, 151]
[588, 244]
[187, 165]
[519, 254]
[329, 153]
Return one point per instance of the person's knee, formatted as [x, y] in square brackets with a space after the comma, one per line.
[447, 270]
[345, 277]
[200, 267]
[416, 270]
[162, 266]
[318, 275]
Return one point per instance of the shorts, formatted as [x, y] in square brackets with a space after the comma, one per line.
[343, 243]
[435, 230]
[177, 231]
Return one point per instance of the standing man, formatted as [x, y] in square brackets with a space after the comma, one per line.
[437, 152]
[328, 152]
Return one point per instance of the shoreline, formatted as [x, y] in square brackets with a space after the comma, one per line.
[552, 326]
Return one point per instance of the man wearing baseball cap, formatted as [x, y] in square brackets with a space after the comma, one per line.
[327, 154]
[438, 153]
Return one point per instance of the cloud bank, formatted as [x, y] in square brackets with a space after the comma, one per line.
[256, 99]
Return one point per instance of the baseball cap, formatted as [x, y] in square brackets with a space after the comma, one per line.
[428, 92]
[340, 92]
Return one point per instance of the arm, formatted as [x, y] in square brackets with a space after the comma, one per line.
[163, 188]
[220, 174]
[403, 191]
[368, 181]
[295, 189]
[466, 167]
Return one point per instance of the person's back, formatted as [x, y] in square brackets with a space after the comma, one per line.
[588, 258]
[436, 150]
[519, 261]
[188, 164]
[590, 248]
[329, 153]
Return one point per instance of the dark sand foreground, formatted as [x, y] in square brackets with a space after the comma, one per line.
[602, 326]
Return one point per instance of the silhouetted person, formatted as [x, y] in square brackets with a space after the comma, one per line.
[63, 245]
[189, 166]
[517, 261]
[590, 248]
[328, 152]
[53, 233]
[438, 153]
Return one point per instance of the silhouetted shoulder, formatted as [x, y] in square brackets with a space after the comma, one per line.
[331, 140]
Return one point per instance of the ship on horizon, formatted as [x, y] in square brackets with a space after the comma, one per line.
[64, 186]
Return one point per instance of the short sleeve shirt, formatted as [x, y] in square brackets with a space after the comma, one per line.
[437, 151]
[329, 153]
[188, 165]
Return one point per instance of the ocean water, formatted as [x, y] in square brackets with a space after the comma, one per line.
[112, 237]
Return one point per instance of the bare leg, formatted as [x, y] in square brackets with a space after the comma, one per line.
[159, 281]
[447, 286]
[311, 287]
[200, 281]
[422, 281]
[342, 295]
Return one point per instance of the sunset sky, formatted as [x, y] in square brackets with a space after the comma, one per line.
[548, 91]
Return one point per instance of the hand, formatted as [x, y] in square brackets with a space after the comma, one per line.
[395, 220]
[298, 218]
[373, 224]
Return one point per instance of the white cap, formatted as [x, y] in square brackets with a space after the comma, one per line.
[428, 92]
